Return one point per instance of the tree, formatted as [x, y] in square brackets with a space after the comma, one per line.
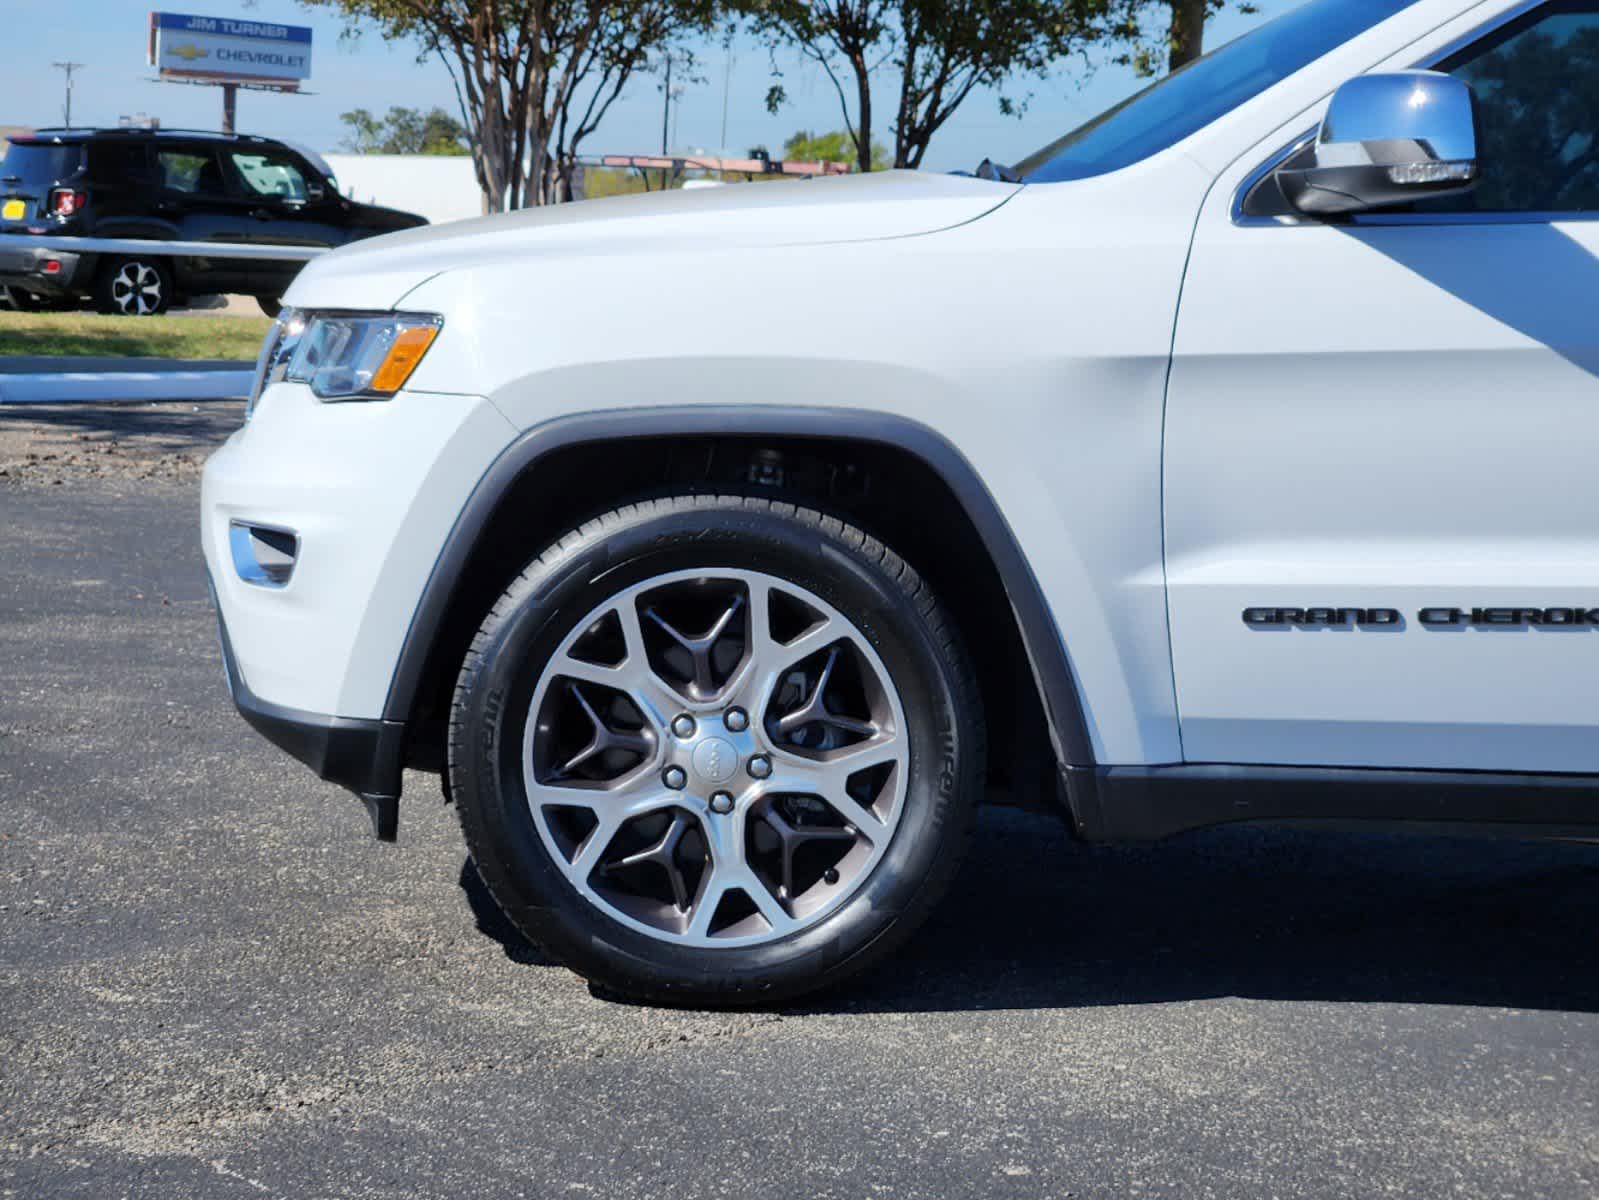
[404, 131]
[534, 77]
[837, 146]
[1186, 32]
[1182, 35]
[940, 51]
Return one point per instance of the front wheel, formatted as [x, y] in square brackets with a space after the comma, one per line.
[716, 750]
[133, 287]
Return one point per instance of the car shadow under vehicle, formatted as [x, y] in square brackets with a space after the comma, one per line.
[1036, 920]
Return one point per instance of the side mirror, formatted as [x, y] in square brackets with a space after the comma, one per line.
[1387, 140]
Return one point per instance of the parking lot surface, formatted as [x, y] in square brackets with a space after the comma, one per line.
[214, 983]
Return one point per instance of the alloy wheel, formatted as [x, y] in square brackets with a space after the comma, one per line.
[136, 289]
[716, 758]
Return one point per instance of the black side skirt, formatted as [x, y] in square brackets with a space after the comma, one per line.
[362, 755]
[1113, 804]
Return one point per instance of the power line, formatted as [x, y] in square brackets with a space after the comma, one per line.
[69, 68]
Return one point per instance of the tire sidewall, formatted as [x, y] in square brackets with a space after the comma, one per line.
[540, 610]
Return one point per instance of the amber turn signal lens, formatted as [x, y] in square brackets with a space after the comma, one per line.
[408, 348]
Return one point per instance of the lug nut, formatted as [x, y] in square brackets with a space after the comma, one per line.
[831, 874]
[683, 725]
[737, 720]
[675, 778]
[722, 802]
[760, 767]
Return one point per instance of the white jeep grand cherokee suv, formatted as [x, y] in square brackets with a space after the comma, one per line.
[1233, 458]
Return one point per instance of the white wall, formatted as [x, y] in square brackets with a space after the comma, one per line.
[439, 187]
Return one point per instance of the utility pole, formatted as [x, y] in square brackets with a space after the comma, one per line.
[666, 112]
[727, 83]
[68, 67]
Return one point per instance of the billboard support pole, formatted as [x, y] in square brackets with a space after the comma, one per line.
[230, 106]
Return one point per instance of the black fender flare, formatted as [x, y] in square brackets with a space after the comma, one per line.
[1046, 653]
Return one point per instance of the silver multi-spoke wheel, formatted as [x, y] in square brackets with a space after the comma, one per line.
[705, 783]
[716, 757]
[137, 289]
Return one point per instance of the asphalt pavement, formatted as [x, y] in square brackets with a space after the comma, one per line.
[214, 983]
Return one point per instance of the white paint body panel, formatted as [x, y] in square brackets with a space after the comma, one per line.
[372, 490]
[1335, 424]
[1395, 416]
[1413, 428]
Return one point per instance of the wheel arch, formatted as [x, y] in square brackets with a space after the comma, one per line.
[466, 569]
[143, 227]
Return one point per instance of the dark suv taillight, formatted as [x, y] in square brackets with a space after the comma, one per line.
[66, 201]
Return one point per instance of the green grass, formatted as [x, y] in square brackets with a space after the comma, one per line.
[77, 334]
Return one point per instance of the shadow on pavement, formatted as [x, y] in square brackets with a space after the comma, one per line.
[1037, 921]
[493, 924]
[164, 427]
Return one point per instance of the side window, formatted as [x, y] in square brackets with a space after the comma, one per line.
[268, 174]
[194, 172]
[1537, 88]
[117, 162]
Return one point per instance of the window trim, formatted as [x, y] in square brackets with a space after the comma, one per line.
[1379, 220]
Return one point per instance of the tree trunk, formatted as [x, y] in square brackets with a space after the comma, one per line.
[1187, 32]
[863, 90]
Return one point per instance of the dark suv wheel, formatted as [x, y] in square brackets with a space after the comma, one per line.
[716, 750]
[133, 287]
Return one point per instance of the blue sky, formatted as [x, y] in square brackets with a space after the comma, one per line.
[109, 36]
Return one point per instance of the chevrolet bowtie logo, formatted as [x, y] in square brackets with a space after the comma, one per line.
[188, 53]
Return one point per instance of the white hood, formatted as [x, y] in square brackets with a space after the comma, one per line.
[380, 271]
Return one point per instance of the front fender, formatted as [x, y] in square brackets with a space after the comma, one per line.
[1051, 666]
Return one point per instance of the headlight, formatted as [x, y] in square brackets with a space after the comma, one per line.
[343, 356]
[279, 343]
[348, 356]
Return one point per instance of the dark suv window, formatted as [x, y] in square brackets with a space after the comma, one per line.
[191, 170]
[40, 163]
[116, 162]
[1537, 87]
[267, 173]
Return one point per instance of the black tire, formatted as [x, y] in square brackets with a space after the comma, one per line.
[270, 305]
[862, 580]
[133, 286]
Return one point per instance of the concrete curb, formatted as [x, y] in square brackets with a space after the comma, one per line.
[79, 364]
[29, 380]
[83, 387]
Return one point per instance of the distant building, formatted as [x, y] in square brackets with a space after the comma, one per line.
[441, 187]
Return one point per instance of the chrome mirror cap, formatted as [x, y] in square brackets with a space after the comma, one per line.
[1387, 140]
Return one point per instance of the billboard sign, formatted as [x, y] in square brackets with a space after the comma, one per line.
[223, 50]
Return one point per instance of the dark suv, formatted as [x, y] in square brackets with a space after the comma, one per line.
[167, 185]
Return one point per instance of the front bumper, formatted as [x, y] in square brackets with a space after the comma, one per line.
[369, 492]
[363, 755]
[26, 267]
